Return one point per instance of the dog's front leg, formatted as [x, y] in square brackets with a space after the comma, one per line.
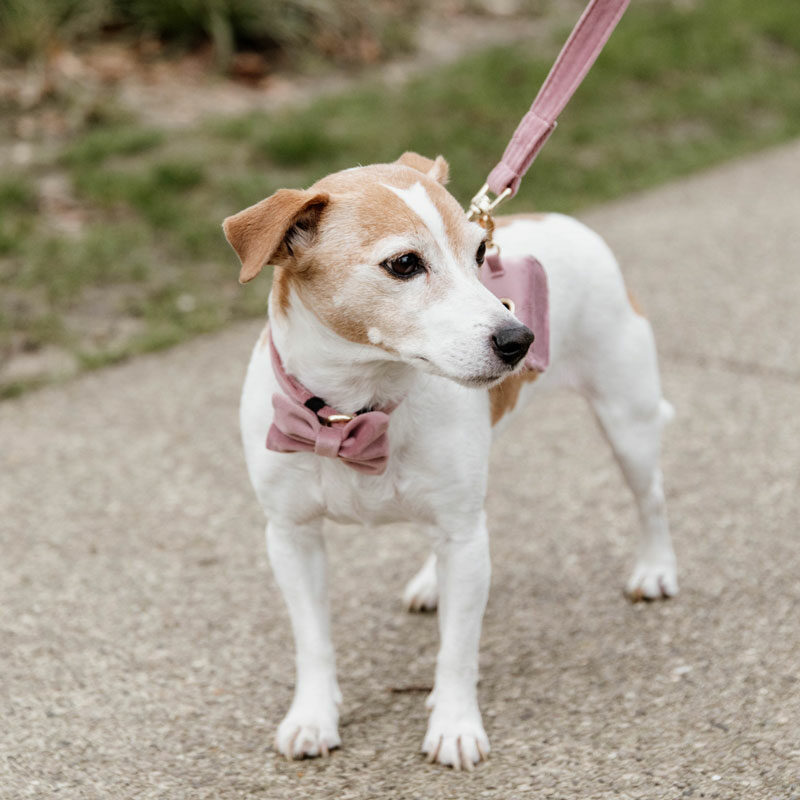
[297, 556]
[455, 733]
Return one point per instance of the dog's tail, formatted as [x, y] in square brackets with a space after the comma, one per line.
[666, 411]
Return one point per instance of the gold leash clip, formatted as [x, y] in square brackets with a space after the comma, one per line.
[481, 207]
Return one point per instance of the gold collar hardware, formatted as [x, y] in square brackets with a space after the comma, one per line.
[481, 207]
[334, 418]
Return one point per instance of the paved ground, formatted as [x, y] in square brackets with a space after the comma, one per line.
[145, 653]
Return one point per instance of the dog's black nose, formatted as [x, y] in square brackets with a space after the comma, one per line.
[512, 343]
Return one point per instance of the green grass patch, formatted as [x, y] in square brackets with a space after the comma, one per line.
[345, 31]
[16, 195]
[103, 256]
[96, 146]
[15, 388]
[668, 95]
[17, 208]
[679, 87]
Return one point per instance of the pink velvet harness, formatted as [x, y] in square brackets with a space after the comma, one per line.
[522, 280]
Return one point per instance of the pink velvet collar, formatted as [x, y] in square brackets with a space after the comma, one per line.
[305, 423]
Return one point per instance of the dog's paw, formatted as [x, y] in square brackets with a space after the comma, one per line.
[422, 592]
[459, 741]
[653, 579]
[308, 734]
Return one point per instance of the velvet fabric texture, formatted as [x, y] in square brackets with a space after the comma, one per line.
[362, 442]
[575, 59]
[522, 280]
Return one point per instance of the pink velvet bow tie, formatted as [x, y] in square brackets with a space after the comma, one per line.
[303, 423]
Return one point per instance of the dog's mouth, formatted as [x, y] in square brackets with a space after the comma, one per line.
[482, 381]
[478, 381]
[485, 380]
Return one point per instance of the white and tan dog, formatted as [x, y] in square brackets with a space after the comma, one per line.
[376, 301]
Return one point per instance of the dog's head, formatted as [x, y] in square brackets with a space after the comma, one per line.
[384, 256]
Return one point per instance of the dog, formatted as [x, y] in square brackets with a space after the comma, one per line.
[377, 315]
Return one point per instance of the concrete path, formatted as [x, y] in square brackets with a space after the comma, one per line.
[145, 652]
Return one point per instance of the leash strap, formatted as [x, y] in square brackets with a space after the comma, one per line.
[575, 59]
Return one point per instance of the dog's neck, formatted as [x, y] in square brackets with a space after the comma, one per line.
[348, 376]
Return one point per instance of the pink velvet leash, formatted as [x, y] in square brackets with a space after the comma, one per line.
[574, 61]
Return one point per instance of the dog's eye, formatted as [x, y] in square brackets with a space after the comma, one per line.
[481, 254]
[405, 266]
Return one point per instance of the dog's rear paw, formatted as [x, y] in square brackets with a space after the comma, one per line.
[653, 579]
[460, 744]
[301, 736]
[422, 592]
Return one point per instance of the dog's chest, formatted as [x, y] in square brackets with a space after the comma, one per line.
[439, 439]
[395, 496]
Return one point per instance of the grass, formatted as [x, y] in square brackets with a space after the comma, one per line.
[670, 94]
[345, 31]
[102, 143]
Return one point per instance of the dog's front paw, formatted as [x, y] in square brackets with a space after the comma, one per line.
[422, 592]
[307, 734]
[653, 578]
[457, 741]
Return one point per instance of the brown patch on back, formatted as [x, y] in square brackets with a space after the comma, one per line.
[507, 219]
[635, 305]
[503, 397]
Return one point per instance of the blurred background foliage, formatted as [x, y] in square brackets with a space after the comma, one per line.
[110, 240]
[343, 30]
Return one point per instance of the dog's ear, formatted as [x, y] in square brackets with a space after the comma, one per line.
[436, 169]
[282, 222]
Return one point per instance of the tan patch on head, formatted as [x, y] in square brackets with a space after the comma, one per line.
[507, 219]
[264, 338]
[331, 265]
[451, 212]
[635, 305]
[362, 212]
[503, 397]
[321, 274]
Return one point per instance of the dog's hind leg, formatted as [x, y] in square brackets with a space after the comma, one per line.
[626, 397]
[297, 556]
[422, 591]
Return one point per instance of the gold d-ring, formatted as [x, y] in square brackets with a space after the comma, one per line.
[338, 418]
[508, 303]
